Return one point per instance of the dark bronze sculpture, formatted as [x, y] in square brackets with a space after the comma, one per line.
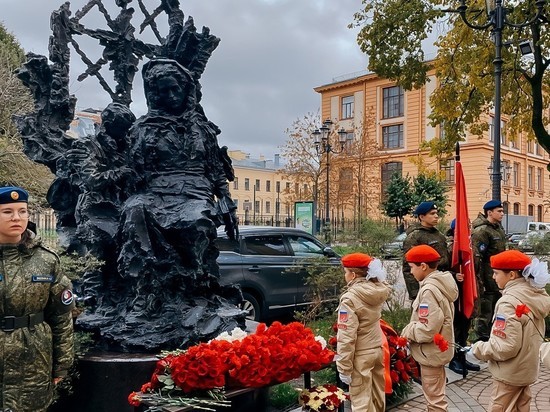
[144, 196]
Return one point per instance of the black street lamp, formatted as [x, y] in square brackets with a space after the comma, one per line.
[497, 20]
[321, 139]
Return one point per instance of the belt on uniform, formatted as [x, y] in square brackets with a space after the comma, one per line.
[10, 323]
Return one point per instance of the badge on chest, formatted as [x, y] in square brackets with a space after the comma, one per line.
[42, 278]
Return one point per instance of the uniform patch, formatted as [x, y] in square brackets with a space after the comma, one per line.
[14, 195]
[424, 321]
[423, 310]
[499, 333]
[67, 297]
[342, 326]
[500, 322]
[42, 278]
[342, 316]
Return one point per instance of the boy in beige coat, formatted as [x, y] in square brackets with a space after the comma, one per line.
[518, 329]
[360, 354]
[432, 313]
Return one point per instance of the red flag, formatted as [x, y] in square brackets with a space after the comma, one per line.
[462, 261]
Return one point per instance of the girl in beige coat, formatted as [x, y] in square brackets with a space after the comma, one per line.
[518, 330]
[360, 354]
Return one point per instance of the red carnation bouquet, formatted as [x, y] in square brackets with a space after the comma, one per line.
[270, 355]
[322, 398]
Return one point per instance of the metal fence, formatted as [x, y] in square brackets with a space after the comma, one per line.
[45, 225]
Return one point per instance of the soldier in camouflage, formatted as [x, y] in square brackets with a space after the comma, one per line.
[488, 239]
[36, 332]
[424, 232]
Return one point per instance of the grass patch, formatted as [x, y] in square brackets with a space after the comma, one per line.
[283, 396]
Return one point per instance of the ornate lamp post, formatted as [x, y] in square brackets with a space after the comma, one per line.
[497, 20]
[321, 139]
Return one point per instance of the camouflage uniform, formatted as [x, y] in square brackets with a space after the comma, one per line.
[488, 239]
[421, 235]
[36, 345]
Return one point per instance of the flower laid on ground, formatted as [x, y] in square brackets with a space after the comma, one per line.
[322, 398]
[270, 355]
[440, 342]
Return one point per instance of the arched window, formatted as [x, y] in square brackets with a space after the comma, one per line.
[516, 208]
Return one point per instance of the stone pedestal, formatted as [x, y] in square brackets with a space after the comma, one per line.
[106, 379]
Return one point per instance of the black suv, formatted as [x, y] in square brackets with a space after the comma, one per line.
[269, 265]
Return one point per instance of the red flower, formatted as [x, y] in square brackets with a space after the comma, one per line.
[133, 399]
[402, 342]
[394, 376]
[332, 341]
[522, 310]
[441, 343]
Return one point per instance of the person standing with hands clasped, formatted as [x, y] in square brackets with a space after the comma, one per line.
[518, 330]
[360, 360]
[432, 314]
[36, 330]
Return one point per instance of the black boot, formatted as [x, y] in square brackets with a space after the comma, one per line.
[472, 366]
[456, 365]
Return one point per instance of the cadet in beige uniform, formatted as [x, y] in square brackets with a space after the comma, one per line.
[518, 329]
[360, 355]
[432, 313]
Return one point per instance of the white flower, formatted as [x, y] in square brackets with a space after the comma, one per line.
[235, 335]
[322, 341]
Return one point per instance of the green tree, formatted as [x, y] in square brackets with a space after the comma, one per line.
[398, 198]
[428, 186]
[15, 167]
[393, 32]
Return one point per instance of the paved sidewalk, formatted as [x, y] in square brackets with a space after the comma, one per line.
[474, 392]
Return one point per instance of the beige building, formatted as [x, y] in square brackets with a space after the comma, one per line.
[397, 122]
[260, 192]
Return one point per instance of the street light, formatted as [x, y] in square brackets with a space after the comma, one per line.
[497, 20]
[321, 139]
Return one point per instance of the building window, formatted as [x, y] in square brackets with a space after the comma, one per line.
[347, 107]
[247, 205]
[506, 168]
[538, 150]
[531, 178]
[278, 187]
[530, 146]
[503, 139]
[257, 186]
[516, 208]
[388, 170]
[346, 179]
[447, 168]
[287, 185]
[392, 137]
[393, 98]
[267, 207]
[540, 213]
[515, 143]
[515, 175]
[257, 206]
[506, 207]
[246, 183]
[268, 186]
[236, 183]
[531, 210]
[540, 179]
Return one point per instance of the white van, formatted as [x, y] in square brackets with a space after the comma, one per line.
[539, 226]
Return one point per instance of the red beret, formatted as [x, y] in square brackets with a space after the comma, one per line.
[510, 259]
[356, 260]
[422, 254]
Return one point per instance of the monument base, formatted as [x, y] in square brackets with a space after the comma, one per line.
[105, 381]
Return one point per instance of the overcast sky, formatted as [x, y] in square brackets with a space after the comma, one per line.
[261, 76]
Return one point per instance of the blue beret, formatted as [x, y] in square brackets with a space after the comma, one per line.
[424, 208]
[453, 224]
[12, 194]
[491, 204]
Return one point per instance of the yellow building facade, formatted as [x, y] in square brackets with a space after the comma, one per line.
[397, 122]
[260, 191]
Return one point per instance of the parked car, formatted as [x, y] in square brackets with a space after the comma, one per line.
[394, 248]
[269, 263]
[530, 238]
[514, 239]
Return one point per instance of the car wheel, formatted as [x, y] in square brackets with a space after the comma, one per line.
[250, 303]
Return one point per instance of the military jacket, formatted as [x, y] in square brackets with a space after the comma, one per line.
[421, 235]
[488, 239]
[31, 285]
